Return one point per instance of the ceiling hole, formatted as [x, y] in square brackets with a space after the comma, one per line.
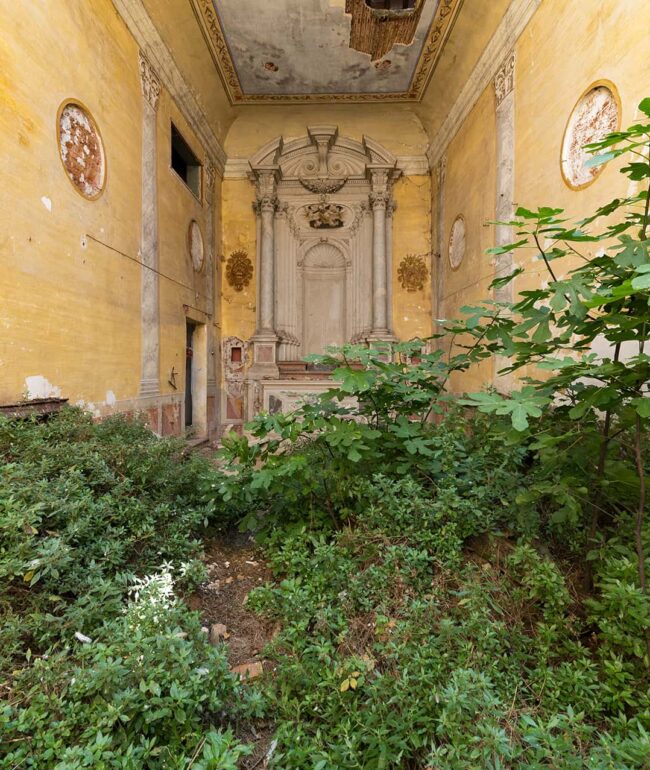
[383, 65]
[271, 66]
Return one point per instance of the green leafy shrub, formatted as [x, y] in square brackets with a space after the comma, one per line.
[102, 668]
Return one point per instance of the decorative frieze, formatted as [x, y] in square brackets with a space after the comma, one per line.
[504, 80]
[149, 81]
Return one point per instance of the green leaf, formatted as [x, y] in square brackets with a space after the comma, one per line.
[642, 406]
[644, 106]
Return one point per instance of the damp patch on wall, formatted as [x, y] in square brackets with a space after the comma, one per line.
[457, 242]
[81, 149]
[596, 114]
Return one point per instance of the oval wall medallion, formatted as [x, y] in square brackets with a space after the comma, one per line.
[596, 114]
[81, 149]
[456, 248]
[195, 245]
[239, 270]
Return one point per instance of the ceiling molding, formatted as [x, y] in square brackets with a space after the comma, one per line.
[441, 26]
[146, 35]
[512, 25]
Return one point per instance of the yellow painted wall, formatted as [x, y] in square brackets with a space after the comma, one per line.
[70, 281]
[70, 306]
[177, 26]
[411, 235]
[469, 191]
[238, 234]
[582, 43]
[180, 283]
[394, 126]
[567, 46]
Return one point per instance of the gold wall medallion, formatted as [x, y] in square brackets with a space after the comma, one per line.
[413, 272]
[239, 270]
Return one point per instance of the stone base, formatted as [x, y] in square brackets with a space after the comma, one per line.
[265, 347]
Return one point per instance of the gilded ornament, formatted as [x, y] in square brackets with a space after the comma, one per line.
[239, 270]
[413, 272]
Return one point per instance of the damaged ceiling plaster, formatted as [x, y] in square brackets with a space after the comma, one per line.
[304, 50]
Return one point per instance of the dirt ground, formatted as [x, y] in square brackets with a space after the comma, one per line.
[236, 566]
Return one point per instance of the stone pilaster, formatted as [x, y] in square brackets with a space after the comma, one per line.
[442, 265]
[213, 361]
[505, 191]
[150, 312]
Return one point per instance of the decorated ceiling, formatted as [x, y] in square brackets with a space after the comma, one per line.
[287, 51]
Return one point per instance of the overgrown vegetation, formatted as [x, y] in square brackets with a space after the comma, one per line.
[470, 592]
[458, 585]
[102, 665]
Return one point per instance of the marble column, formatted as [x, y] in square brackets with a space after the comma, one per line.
[505, 193]
[380, 199]
[150, 312]
[390, 210]
[265, 339]
[210, 267]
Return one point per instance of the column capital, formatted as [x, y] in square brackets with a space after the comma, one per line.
[267, 203]
[504, 80]
[379, 200]
[149, 81]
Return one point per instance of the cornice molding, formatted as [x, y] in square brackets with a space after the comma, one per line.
[409, 165]
[503, 41]
[413, 165]
[140, 25]
[438, 33]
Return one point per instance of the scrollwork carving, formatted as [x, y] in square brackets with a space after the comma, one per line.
[322, 185]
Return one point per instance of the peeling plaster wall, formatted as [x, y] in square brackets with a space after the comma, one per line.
[70, 309]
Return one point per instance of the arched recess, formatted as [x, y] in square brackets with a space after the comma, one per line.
[323, 298]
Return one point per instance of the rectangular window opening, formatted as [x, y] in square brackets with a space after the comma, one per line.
[185, 163]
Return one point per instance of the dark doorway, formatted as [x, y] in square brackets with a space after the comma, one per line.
[189, 355]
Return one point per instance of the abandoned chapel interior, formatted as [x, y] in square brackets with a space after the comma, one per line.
[198, 194]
